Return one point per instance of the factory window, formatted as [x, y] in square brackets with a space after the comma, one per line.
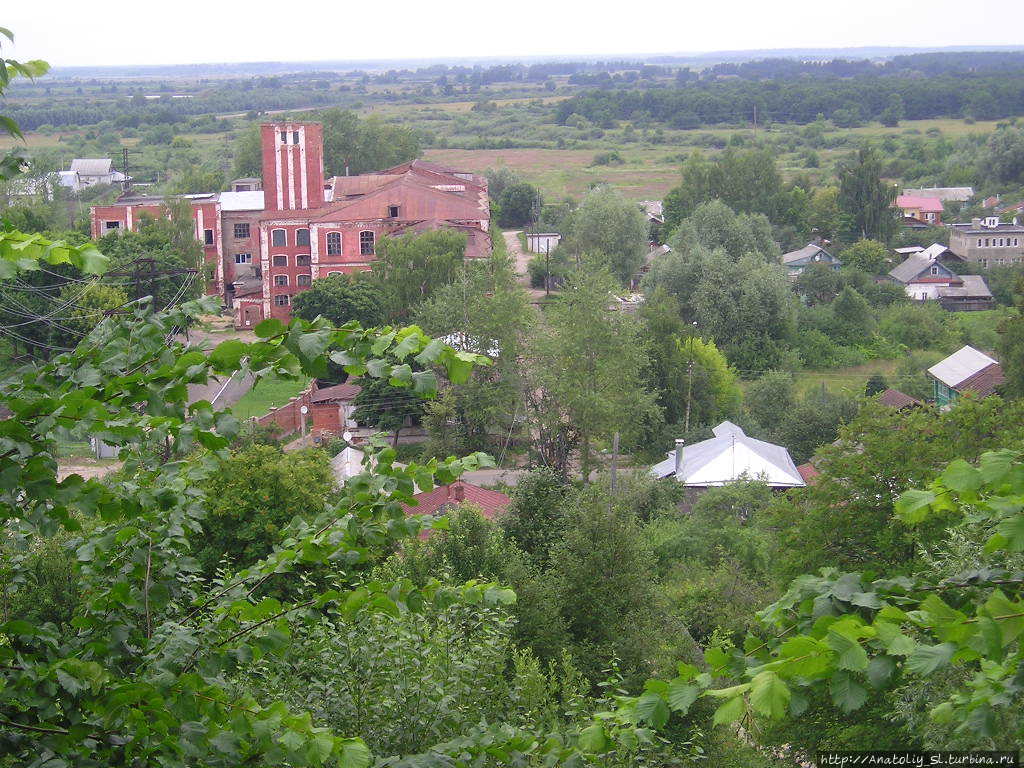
[280, 261]
[243, 258]
[241, 231]
[303, 280]
[302, 237]
[282, 300]
[280, 279]
[208, 236]
[393, 211]
[112, 225]
[284, 137]
[334, 243]
[278, 237]
[366, 243]
[302, 260]
[295, 137]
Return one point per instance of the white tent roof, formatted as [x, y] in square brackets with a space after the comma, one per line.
[730, 456]
[961, 365]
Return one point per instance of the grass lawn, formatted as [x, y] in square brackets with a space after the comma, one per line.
[980, 328]
[268, 393]
[844, 381]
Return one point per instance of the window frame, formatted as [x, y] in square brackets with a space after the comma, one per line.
[363, 242]
[303, 260]
[304, 281]
[298, 237]
[280, 281]
[208, 238]
[283, 260]
[247, 230]
[284, 237]
[328, 243]
[247, 260]
[282, 300]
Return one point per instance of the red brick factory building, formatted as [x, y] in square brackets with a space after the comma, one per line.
[266, 240]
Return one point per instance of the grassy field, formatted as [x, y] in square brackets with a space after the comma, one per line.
[647, 173]
[844, 381]
[267, 394]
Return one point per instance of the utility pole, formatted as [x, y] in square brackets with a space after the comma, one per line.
[755, 118]
[126, 185]
[689, 381]
[547, 267]
[615, 459]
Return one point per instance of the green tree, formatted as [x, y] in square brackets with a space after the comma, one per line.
[864, 199]
[254, 496]
[585, 369]
[610, 229]
[868, 255]
[770, 399]
[814, 422]
[519, 205]
[819, 283]
[536, 521]
[341, 299]
[409, 268]
[483, 310]
[387, 407]
[1011, 346]
[852, 318]
[85, 307]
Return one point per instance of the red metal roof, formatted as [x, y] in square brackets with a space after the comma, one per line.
[896, 399]
[984, 382]
[346, 392]
[491, 503]
[924, 204]
[809, 473]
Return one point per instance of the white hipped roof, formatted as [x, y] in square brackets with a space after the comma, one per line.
[347, 464]
[961, 365]
[730, 456]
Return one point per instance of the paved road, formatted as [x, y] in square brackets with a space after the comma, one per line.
[226, 396]
[522, 261]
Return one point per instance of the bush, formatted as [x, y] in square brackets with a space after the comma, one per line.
[608, 158]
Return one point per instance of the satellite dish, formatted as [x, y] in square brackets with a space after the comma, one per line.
[347, 437]
[303, 410]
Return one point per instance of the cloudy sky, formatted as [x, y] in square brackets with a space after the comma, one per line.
[83, 32]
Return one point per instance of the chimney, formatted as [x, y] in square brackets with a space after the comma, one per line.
[458, 492]
[679, 459]
[293, 165]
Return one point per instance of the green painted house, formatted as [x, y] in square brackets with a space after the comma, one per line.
[966, 371]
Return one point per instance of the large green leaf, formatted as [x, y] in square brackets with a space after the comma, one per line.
[769, 695]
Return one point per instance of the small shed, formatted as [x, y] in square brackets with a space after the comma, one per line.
[542, 242]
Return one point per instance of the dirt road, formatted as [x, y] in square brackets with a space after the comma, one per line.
[522, 260]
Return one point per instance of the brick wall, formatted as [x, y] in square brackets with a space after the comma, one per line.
[288, 418]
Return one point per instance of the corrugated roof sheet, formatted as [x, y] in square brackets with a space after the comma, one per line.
[893, 398]
[923, 204]
[491, 503]
[960, 366]
[241, 201]
[985, 382]
[92, 166]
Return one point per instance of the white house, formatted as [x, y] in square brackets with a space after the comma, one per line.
[91, 171]
[542, 242]
[727, 457]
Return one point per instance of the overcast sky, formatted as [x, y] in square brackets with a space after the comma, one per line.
[84, 32]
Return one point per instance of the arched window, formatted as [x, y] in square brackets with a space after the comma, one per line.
[280, 261]
[302, 260]
[303, 280]
[278, 237]
[302, 237]
[280, 279]
[331, 274]
[334, 243]
[366, 243]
